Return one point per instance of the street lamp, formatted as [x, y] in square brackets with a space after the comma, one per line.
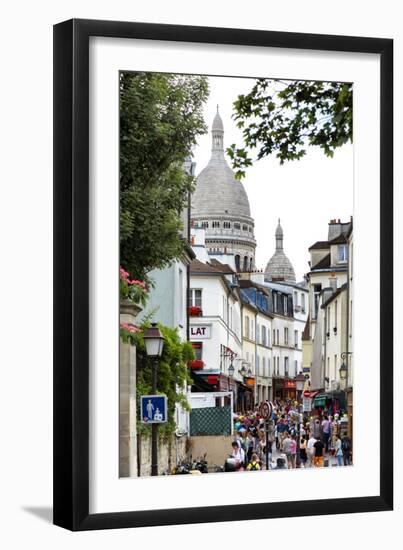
[154, 342]
[343, 370]
[231, 370]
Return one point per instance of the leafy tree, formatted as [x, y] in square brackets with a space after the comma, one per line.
[160, 119]
[285, 117]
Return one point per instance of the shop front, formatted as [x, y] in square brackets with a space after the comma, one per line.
[330, 402]
[284, 388]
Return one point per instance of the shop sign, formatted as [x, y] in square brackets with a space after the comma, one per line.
[200, 331]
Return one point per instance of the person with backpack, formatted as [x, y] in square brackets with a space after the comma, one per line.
[346, 449]
[253, 464]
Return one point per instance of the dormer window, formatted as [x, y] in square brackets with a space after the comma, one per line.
[342, 253]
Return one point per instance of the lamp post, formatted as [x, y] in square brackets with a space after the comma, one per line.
[343, 370]
[154, 342]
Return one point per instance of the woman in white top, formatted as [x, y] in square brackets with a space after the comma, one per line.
[238, 454]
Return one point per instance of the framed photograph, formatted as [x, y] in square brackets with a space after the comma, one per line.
[223, 276]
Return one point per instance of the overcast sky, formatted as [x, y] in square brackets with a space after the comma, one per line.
[304, 194]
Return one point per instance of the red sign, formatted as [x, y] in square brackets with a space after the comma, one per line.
[307, 393]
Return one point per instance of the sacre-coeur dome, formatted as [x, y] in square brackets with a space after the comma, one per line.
[279, 267]
[217, 191]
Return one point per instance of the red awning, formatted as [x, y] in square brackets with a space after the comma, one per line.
[312, 394]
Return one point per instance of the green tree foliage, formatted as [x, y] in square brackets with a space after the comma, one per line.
[173, 374]
[285, 117]
[160, 120]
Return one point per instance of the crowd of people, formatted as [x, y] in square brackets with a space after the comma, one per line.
[301, 440]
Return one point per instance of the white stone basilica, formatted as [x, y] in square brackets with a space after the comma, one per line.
[220, 205]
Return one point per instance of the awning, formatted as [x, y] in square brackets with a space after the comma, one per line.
[320, 400]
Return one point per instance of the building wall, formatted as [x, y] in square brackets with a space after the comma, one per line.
[170, 452]
[334, 341]
[222, 313]
[167, 299]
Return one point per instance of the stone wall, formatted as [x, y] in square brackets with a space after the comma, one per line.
[216, 447]
[169, 453]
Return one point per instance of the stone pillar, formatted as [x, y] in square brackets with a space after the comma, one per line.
[127, 398]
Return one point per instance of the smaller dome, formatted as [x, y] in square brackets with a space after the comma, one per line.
[279, 268]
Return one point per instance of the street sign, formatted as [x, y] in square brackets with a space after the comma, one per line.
[266, 409]
[154, 409]
[306, 404]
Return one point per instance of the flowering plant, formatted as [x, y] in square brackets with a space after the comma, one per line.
[132, 289]
[129, 332]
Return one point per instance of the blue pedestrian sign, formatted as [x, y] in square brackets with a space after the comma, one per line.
[154, 409]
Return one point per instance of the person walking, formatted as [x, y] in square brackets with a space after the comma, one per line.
[346, 448]
[338, 451]
[310, 451]
[318, 458]
[287, 447]
[302, 451]
[293, 451]
[326, 427]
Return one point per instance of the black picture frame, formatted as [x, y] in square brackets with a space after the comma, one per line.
[71, 273]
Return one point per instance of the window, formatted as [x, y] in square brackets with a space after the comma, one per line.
[216, 224]
[286, 372]
[342, 253]
[285, 309]
[204, 225]
[275, 302]
[295, 299]
[195, 297]
[264, 367]
[335, 316]
[317, 289]
[246, 326]
[244, 228]
[274, 337]
[295, 367]
[250, 229]
[238, 262]
[268, 367]
[264, 343]
[258, 365]
[227, 225]
[198, 350]
[245, 263]
[303, 303]
[278, 337]
[285, 336]
[335, 368]
[237, 225]
[296, 338]
[251, 329]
